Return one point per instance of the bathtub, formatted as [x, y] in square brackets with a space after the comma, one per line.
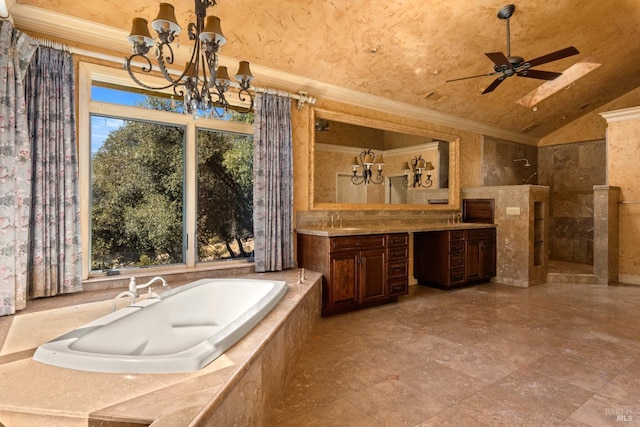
[180, 330]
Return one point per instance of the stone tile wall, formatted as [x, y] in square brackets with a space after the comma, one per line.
[500, 169]
[571, 171]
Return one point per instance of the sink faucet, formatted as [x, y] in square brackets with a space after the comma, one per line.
[456, 217]
[133, 290]
[335, 215]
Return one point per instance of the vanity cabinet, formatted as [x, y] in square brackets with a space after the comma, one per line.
[357, 271]
[453, 258]
[397, 264]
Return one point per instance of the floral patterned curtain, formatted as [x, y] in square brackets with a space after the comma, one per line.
[54, 249]
[273, 184]
[16, 50]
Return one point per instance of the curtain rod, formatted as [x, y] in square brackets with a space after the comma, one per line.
[52, 44]
[301, 96]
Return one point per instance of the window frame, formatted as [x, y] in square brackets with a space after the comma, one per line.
[89, 73]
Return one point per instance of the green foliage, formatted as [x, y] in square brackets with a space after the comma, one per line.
[137, 199]
[225, 189]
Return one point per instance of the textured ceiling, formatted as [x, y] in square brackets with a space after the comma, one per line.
[420, 44]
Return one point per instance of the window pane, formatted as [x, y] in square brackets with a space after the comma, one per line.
[138, 97]
[225, 195]
[137, 177]
[131, 97]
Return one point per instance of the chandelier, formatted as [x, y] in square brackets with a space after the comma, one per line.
[367, 160]
[203, 85]
[418, 166]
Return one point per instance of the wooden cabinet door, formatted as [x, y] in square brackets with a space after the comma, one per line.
[473, 251]
[343, 291]
[372, 279]
[488, 258]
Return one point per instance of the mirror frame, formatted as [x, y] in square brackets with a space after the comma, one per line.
[454, 162]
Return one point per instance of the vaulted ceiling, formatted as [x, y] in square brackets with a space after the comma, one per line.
[405, 50]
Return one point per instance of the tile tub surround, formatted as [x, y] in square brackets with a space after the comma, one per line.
[236, 388]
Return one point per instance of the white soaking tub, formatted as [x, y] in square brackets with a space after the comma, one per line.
[180, 330]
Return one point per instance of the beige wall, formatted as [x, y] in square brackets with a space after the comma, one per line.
[623, 153]
[591, 126]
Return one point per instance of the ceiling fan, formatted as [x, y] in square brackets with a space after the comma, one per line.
[507, 65]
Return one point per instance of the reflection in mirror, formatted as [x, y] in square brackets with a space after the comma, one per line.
[367, 163]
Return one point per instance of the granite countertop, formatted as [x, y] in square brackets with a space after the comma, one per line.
[388, 228]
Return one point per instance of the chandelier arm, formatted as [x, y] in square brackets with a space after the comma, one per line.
[162, 59]
[379, 179]
[244, 99]
[144, 69]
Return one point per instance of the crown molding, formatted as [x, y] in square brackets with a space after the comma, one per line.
[621, 115]
[87, 33]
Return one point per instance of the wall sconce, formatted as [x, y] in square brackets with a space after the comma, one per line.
[367, 160]
[418, 165]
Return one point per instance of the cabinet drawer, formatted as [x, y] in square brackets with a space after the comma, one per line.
[357, 242]
[398, 254]
[456, 247]
[483, 233]
[457, 260]
[456, 235]
[398, 287]
[456, 275]
[399, 239]
[397, 269]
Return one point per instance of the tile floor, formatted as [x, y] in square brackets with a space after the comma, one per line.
[495, 355]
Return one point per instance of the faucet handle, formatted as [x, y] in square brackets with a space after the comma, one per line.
[132, 285]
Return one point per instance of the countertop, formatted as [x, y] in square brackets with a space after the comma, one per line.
[389, 228]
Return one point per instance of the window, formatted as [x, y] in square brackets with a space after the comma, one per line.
[225, 195]
[161, 188]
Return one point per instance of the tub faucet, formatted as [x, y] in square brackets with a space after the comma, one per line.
[122, 295]
[133, 287]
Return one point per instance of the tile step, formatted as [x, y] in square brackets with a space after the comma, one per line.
[583, 279]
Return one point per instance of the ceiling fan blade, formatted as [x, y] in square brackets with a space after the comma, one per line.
[554, 56]
[472, 77]
[494, 85]
[499, 59]
[537, 74]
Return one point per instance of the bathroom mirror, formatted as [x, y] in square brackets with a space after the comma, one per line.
[342, 143]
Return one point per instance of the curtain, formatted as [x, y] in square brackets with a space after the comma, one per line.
[273, 184]
[16, 50]
[55, 265]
